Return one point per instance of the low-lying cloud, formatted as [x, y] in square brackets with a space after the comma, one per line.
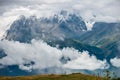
[39, 55]
[85, 61]
[115, 62]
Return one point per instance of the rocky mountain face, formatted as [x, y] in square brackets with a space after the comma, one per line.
[105, 36]
[66, 27]
[57, 27]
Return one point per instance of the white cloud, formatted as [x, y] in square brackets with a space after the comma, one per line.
[5, 23]
[115, 62]
[91, 62]
[9, 17]
[105, 11]
[55, 1]
[39, 55]
[42, 54]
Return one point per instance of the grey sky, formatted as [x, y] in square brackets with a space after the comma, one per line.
[103, 6]
[105, 10]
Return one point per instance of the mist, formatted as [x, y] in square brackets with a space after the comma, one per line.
[38, 55]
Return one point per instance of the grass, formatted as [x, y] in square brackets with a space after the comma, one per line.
[75, 76]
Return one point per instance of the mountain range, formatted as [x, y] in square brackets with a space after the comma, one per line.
[67, 30]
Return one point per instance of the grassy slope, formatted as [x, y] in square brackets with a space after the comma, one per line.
[76, 76]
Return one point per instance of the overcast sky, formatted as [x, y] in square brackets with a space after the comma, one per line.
[97, 7]
[104, 10]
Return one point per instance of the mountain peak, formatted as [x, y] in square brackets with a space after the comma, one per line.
[58, 26]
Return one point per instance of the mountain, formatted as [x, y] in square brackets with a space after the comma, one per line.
[65, 30]
[105, 36]
[68, 27]
[57, 27]
[99, 53]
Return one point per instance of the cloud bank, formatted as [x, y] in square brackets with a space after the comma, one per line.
[38, 55]
[92, 11]
[84, 61]
[115, 62]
